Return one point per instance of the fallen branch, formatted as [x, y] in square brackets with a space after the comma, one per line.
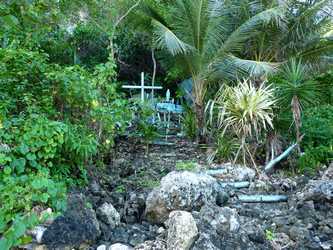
[239, 185]
[262, 198]
[270, 166]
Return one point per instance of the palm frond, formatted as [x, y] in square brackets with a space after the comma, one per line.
[253, 68]
[315, 50]
[235, 41]
[165, 38]
[295, 82]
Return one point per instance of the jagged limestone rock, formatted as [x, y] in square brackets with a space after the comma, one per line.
[182, 231]
[180, 191]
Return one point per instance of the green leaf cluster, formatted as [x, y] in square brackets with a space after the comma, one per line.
[318, 138]
[18, 195]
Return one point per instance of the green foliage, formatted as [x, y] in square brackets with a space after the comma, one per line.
[186, 165]
[74, 93]
[226, 148]
[244, 111]
[90, 44]
[120, 189]
[148, 183]
[145, 127]
[189, 123]
[64, 114]
[318, 126]
[34, 143]
[325, 83]
[295, 80]
[18, 195]
[80, 145]
[23, 81]
[269, 235]
[314, 157]
[58, 46]
[318, 138]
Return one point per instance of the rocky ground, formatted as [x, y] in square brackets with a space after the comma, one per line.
[143, 201]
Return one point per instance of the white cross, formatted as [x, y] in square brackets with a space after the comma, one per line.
[142, 87]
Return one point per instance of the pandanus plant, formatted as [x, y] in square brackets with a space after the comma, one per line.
[244, 110]
[206, 38]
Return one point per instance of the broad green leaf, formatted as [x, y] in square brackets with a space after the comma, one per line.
[10, 20]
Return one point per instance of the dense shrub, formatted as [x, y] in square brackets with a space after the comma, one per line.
[325, 81]
[90, 44]
[23, 81]
[315, 157]
[33, 143]
[318, 126]
[318, 138]
[57, 117]
[53, 120]
[73, 91]
[18, 195]
[189, 123]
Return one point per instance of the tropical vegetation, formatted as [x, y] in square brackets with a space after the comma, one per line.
[260, 71]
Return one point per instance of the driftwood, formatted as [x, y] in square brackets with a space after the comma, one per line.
[262, 198]
[270, 166]
[240, 184]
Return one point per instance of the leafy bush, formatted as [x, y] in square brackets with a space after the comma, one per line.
[318, 138]
[18, 195]
[143, 123]
[74, 93]
[80, 145]
[189, 123]
[33, 143]
[91, 45]
[226, 148]
[62, 97]
[318, 126]
[325, 81]
[23, 81]
[315, 157]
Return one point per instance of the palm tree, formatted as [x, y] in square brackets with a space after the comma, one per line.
[206, 38]
[307, 33]
[296, 90]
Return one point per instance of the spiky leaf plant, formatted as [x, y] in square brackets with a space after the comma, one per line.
[244, 110]
[296, 90]
[207, 38]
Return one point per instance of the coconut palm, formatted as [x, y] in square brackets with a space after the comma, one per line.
[206, 38]
[307, 33]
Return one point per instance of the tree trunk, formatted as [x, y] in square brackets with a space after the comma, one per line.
[154, 71]
[200, 119]
[296, 110]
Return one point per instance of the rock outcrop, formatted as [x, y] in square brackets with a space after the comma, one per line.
[182, 231]
[77, 226]
[317, 190]
[220, 229]
[180, 191]
[109, 215]
[152, 245]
